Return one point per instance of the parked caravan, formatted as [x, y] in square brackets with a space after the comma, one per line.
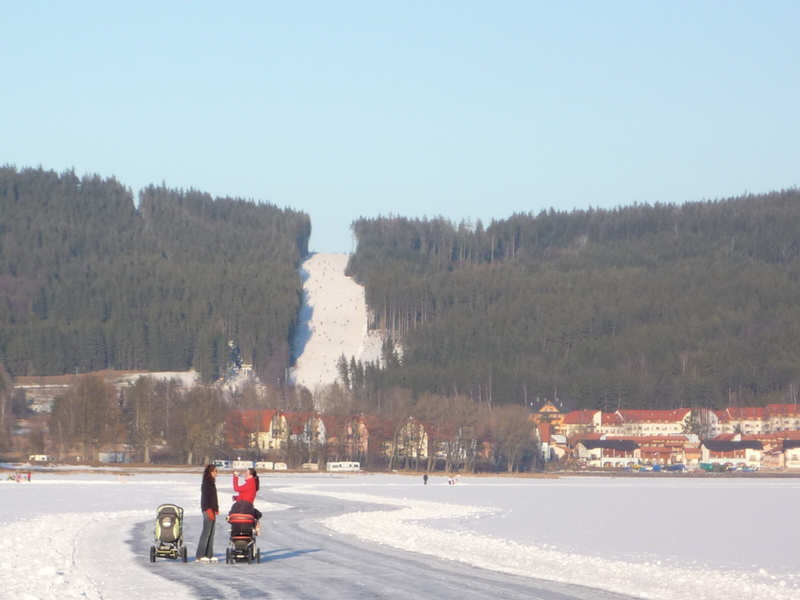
[40, 458]
[344, 466]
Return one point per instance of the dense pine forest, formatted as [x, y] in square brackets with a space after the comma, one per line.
[638, 307]
[89, 280]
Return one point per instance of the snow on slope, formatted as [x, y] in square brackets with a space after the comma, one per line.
[333, 321]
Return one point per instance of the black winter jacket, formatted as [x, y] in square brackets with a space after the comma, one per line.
[208, 495]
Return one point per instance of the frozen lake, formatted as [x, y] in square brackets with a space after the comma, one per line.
[668, 538]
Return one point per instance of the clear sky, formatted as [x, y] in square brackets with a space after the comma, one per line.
[463, 109]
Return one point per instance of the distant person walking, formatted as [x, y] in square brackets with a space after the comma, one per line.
[425, 479]
[210, 508]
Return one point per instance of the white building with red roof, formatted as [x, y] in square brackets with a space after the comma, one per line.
[754, 420]
[655, 422]
[741, 419]
[783, 417]
[578, 422]
[612, 423]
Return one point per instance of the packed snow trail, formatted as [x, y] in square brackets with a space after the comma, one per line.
[332, 322]
[302, 560]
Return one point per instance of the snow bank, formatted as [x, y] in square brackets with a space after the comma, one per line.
[67, 536]
[333, 321]
[75, 555]
[188, 379]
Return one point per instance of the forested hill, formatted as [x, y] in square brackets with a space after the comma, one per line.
[645, 306]
[88, 282]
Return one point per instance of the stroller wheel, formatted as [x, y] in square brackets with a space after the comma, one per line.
[183, 553]
[152, 554]
[227, 556]
[258, 555]
[250, 555]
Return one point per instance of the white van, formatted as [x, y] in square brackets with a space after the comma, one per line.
[222, 464]
[39, 458]
[241, 465]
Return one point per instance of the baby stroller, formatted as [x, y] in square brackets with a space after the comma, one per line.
[242, 545]
[168, 533]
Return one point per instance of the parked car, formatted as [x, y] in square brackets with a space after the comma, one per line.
[678, 467]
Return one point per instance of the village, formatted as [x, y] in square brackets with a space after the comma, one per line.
[764, 438]
[735, 438]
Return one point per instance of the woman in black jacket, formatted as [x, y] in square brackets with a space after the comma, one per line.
[210, 508]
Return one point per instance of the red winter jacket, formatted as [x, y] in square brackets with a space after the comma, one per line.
[247, 491]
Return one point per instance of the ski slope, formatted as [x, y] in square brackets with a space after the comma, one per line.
[332, 322]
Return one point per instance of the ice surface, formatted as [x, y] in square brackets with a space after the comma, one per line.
[671, 539]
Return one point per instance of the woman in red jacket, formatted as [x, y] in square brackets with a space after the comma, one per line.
[244, 502]
[247, 491]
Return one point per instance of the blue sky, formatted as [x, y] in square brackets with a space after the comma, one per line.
[463, 109]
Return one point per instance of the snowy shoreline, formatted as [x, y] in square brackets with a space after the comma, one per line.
[134, 468]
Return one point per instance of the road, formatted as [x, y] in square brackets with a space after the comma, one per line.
[302, 560]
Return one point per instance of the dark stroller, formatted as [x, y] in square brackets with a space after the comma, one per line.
[168, 533]
[242, 546]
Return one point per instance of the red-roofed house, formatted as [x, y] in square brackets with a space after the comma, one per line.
[248, 429]
[783, 417]
[741, 419]
[581, 421]
[655, 422]
[379, 433]
[612, 423]
[665, 449]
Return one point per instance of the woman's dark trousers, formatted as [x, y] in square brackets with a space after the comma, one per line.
[206, 545]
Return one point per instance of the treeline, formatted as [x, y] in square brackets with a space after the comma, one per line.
[156, 421]
[639, 307]
[151, 416]
[88, 281]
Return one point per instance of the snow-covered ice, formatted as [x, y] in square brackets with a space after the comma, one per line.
[671, 538]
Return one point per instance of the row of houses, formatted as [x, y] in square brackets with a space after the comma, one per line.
[331, 436]
[768, 451]
[767, 437]
[773, 418]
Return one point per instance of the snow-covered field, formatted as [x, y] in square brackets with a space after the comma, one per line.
[332, 322]
[65, 534]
